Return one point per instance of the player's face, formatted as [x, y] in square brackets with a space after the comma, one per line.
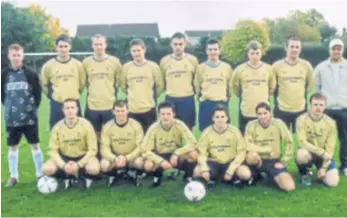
[264, 116]
[317, 107]
[137, 52]
[178, 45]
[166, 116]
[254, 55]
[16, 57]
[336, 52]
[99, 45]
[63, 48]
[213, 51]
[121, 113]
[293, 49]
[220, 118]
[70, 109]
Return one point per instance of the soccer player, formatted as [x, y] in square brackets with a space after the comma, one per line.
[178, 71]
[103, 79]
[295, 79]
[212, 83]
[163, 145]
[143, 83]
[263, 141]
[21, 97]
[62, 78]
[331, 80]
[253, 82]
[72, 148]
[317, 140]
[222, 151]
[120, 144]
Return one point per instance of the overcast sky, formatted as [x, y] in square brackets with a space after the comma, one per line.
[175, 16]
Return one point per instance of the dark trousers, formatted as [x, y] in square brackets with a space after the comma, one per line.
[340, 117]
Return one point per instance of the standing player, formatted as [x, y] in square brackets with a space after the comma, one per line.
[331, 80]
[212, 83]
[295, 78]
[62, 78]
[317, 140]
[222, 151]
[120, 144]
[72, 147]
[103, 78]
[263, 140]
[21, 97]
[178, 71]
[143, 83]
[253, 82]
[163, 145]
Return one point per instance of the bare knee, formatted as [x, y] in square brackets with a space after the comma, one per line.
[244, 173]
[149, 165]
[285, 182]
[93, 167]
[35, 147]
[138, 163]
[49, 168]
[331, 178]
[105, 165]
[14, 148]
[253, 159]
[192, 156]
[303, 156]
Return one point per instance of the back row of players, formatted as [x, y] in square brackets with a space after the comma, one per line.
[221, 149]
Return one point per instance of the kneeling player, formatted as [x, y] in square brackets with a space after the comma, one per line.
[263, 140]
[222, 151]
[317, 139]
[163, 145]
[120, 145]
[72, 148]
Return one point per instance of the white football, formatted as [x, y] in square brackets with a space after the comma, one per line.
[47, 185]
[194, 191]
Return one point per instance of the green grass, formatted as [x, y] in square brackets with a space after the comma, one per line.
[168, 200]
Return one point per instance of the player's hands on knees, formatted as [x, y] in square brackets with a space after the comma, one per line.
[71, 167]
[279, 165]
[174, 160]
[206, 175]
[227, 177]
[165, 165]
[321, 173]
[121, 161]
[326, 156]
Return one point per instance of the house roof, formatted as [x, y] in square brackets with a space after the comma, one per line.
[135, 29]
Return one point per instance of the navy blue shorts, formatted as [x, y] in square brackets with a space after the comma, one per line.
[56, 112]
[185, 109]
[205, 112]
[14, 134]
[289, 118]
[98, 118]
[145, 119]
[268, 167]
[243, 121]
[318, 162]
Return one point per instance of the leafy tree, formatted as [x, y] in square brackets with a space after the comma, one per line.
[235, 41]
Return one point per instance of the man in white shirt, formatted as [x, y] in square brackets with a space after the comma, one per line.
[331, 80]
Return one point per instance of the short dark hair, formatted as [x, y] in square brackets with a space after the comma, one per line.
[64, 38]
[120, 103]
[253, 45]
[166, 104]
[178, 35]
[16, 47]
[318, 95]
[70, 100]
[293, 38]
[264, 105]
[220, 107]
[139, 42]
[212, 41]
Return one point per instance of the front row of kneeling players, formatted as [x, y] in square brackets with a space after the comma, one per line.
[222, 153]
